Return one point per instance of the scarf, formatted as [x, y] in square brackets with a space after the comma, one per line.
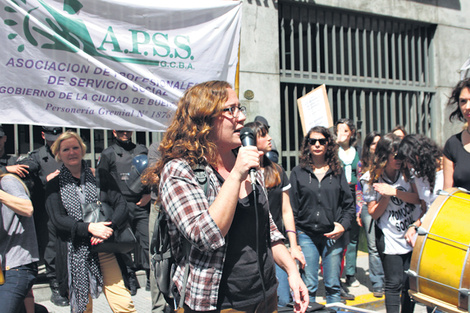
[84, 275]
[347, 159]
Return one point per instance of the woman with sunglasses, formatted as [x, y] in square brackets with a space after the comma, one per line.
[392, 202]
[323, 209]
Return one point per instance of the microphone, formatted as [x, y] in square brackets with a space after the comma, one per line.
[248, 139]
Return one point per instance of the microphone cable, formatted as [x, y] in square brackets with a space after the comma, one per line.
[257, 247]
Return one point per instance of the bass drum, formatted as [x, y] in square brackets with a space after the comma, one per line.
[440, 266]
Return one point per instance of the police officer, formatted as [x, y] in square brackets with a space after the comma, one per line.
[7, 161]
[117, 159]
[42, 168]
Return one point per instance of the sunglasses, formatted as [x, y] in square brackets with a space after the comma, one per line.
[322, 141]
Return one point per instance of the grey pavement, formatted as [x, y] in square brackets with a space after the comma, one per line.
[364, 302]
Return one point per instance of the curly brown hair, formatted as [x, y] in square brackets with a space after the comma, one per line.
[187, 136]
[331, 155]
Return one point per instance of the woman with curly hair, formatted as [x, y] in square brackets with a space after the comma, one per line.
[423, 162]
[392, 203]
[457, 147]
[323, 209]
[223, 223]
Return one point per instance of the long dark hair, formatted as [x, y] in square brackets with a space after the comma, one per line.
[366, 156]
[423, 154]
[454, 99]
[331, 155]
[386, 146]
[272, 176]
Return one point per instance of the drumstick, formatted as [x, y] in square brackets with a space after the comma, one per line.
[441, 192]
[411, 273]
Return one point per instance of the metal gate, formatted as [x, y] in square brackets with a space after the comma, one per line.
[24, 138]
[377, 70]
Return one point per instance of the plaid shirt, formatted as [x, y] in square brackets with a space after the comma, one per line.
[187, 206]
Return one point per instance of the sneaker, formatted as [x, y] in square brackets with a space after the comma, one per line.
[345, 295]
[378, 292]
[351, 281]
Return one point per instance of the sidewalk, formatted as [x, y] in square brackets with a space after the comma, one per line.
[364, 298]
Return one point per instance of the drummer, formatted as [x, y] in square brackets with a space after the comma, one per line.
[423, 163]
[392, 202]
[457, 147]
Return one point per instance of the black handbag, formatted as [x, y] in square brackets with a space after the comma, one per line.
[123, 239]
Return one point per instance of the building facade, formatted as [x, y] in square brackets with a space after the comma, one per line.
[384, 63]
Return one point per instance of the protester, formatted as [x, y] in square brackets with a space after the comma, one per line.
[349, 156]
[392, 203]
[457, 148]
[229, 242]
[87, 273]
[42, 168]
[278, 186]
[18, 245]
[376, 272]
[323, 210]
[117, 160]
[423, 163]
[273, 154]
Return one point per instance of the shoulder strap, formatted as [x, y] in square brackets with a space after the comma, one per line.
[201, 176]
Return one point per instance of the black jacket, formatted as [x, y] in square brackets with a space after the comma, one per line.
[317, 205]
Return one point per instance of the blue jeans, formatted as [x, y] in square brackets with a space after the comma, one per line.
[351, 252]
[331, 252]
[18, 282]
[283, 289]
[376, 271]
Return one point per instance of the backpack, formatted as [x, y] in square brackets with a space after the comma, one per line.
[163, 261]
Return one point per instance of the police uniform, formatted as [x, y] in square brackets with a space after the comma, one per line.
[117, 159]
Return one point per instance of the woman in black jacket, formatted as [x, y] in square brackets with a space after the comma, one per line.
[323, 210]
[88, 273]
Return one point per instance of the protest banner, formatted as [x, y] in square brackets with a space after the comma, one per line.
[314, 109]
[111, 64]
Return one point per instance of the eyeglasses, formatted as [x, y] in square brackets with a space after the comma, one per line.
[235, 111]
[321, 141]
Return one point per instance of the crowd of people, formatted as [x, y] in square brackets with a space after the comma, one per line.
[258, 239]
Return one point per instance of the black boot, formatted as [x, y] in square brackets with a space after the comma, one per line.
[345, 295]
[133, 283]
[56, 298]
[147, 285]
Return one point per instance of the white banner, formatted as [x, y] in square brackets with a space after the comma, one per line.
[111, 64]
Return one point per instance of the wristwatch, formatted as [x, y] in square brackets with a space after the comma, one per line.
[413, 225]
